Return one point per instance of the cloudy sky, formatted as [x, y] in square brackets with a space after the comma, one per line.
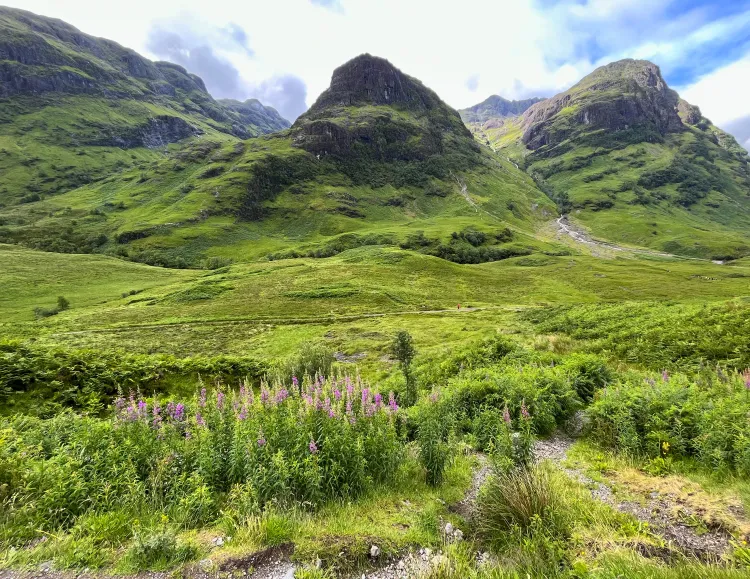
[283, 51]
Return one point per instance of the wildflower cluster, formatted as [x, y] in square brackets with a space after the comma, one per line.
[305, 443]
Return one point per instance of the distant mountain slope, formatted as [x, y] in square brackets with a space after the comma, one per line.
[496, 107]
[253, 113]
[379, 159]
[634, 163]
[71, 104]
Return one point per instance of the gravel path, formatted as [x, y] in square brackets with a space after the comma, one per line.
[467, 507]
[657, 511]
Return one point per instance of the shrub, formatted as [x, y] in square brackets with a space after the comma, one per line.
[312, 358]
[62, 303]
[402, 348]
[157, 550]
[432, 437]
[676, 416]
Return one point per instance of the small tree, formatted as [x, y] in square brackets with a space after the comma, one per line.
[402, 348]
[62, 303]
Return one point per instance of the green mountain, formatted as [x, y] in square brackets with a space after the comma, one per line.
[632, 163]
[75, 108]
[379, 159]
[495, 108]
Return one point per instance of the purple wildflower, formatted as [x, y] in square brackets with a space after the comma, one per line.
[202, 399]
[264, 394]
[378, 400]
[157, 416]
[434, 396]
[142, 408]
[243, 413]
[524, 411]
[331, 413]
[349, 407]
[392, 402]
[295, 382]
[119, 404]
[665, 376]
[282, 395]
[313, 447]
[220, 400]
[506, 416]
[199, 419]
[261, 439]
[365, 396]
[337, 394]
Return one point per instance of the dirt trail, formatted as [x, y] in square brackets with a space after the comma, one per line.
[657, 511]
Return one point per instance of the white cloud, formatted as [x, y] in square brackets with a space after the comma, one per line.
[517, 48]
[722, 94]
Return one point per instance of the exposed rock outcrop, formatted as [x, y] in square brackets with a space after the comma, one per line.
[252, 113]
[157, 132]
[623, 95]
[373, 109]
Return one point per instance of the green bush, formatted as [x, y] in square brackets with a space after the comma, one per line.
[80, 378]
[704, 417]
[157, 550]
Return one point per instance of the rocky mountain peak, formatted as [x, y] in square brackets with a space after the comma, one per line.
[370, 80]
[373, 109]
[625, 95]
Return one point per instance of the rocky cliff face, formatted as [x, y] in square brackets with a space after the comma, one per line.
[374, 109]
[496, 107]
[252, 113]
[44, 57]
[624, 95]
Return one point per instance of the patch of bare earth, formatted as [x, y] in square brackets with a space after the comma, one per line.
[683, 525]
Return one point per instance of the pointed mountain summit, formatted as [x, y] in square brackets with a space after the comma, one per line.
[374, 110]
[627, 95]
[632, 162]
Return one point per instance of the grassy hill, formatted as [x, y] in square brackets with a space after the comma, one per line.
[74, 108]
[397, 171]
[371, 345]
[633, 163]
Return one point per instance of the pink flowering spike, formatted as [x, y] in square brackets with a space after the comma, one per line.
[199, 419]
[264, 395]
[220, 400]
[295, 382]
[179, 412]
[337, 394]
[524, 411]
[506, 416]
[313, 447]
[392, 402]
[202, 398]
[746, 378]
[261, 439]
[665, 376]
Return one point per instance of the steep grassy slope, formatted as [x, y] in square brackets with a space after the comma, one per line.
[74, 108]
[364, 166]
[633, 163]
